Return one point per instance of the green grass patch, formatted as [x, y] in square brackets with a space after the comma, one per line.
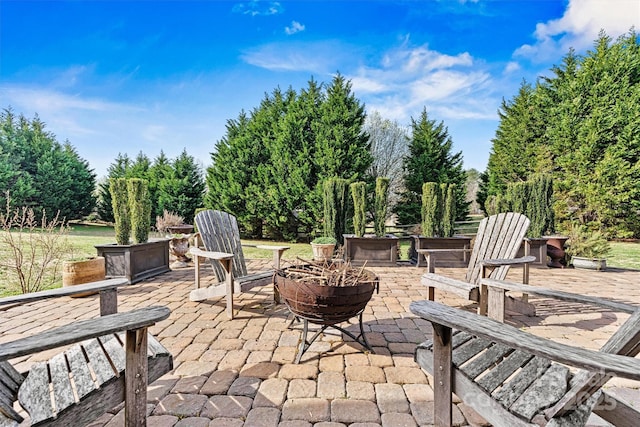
[624, 255]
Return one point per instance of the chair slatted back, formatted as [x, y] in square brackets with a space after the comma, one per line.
[499, 237]
[219, 232]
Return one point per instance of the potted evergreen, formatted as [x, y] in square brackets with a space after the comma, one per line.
[587, 249]
[142, 258]
[380, 248]
[323, 248]
[437, 229]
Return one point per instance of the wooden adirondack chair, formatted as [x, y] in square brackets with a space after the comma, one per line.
[513, 378]
[497, 242]
[221, 238]
[114, 360]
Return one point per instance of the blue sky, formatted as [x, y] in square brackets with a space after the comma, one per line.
[123, 77]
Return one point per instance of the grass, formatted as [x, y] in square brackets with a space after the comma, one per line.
[624, 255]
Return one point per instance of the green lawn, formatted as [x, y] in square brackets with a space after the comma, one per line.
[625, 255]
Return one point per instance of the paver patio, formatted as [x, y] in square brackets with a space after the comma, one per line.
[241, 373]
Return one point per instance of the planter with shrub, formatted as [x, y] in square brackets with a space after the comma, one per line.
[143, 258]
[378, 249]
[588, 249]
[437, 228]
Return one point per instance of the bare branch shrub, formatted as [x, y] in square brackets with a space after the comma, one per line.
[32, 251]
[168, 219]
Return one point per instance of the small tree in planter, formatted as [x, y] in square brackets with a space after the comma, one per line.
[378, 250]
[587, 249]
[431, 209]
[121, 213]
[381, 199]
[140, 209]
[358, 193]
[335, 207]
[449, 213]
[438, 226]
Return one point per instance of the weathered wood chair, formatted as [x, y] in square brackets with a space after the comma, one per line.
[221, 238]
[513, 378]
[113, 361]
[497, 242]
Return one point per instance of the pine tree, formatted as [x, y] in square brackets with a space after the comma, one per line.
[429, 160]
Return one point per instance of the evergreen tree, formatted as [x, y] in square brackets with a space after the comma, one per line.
[182, 190]
[117, 169]
[429, 160]
[582, 126]
[41, 173]
[160, 170]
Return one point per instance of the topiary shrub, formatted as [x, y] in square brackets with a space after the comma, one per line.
[120, 205]
[139, 208]
[431, 208]
[358, 192]
[380, 205]
[449, 212]
[335, 207]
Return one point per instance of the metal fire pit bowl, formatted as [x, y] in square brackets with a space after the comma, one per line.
[326, 305]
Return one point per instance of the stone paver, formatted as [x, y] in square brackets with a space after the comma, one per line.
[240, 372]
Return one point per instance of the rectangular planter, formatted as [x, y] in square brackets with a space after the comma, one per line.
[136, 262]
[451, 259]
[376, 251]
[538, 249]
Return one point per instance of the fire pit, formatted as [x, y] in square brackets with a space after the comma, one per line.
[326, 295]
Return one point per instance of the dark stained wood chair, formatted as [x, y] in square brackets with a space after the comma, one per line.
[497, 242]
[111, 361]
[513, 378]
[222, 247]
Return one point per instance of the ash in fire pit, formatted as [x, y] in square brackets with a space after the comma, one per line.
[326, 294]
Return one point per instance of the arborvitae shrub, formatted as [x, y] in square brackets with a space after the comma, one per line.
[431, 205]
[449, 214]
[335, 207]
[120, 204]
[358, 192]
[139, 208]
[382, 195]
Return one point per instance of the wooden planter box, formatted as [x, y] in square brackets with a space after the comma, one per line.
[451, 259]
[376, 251]
[135, 262]
[538, 249]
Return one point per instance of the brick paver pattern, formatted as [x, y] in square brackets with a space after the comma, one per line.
[240, 372]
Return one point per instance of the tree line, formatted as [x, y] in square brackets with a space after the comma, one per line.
[267, 170]
[581, 126]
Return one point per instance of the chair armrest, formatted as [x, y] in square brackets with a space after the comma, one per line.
[515, 261]
[565, 296]
[612, 364]
[83, 330]
[102, 285]
[210, 254]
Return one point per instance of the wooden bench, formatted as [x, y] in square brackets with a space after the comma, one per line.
[513, 378]
[111, 359]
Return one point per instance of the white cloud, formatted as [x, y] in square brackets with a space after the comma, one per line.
[512, 67]
[410, 78]
[319, 58]
[579, 27]
[256, 8]
[295, 27]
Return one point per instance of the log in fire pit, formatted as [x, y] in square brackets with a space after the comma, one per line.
[326, 294]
